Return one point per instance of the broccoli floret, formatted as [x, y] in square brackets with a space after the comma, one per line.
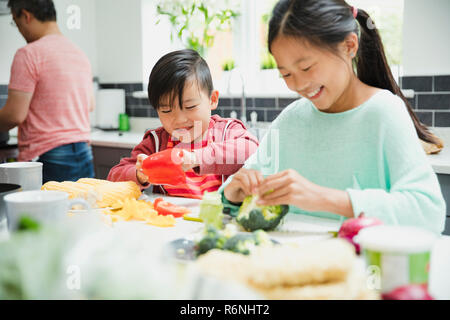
[212, 239]
[262, 238]
[240, 243]
[253, 217]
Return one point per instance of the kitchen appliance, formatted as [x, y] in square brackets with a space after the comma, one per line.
[26, 174]
[110, 103]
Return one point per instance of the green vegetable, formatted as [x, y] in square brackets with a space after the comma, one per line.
[241, 243]
[253, 217]
[228, 239]
[211, 209]
[212, 239]
[28, 224]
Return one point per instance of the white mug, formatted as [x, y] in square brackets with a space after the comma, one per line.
[42, 206]
[26, 174]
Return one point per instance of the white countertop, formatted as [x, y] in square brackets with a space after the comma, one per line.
[295, 229]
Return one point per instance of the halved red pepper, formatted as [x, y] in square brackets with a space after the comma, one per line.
[166, 208]
[165, 167]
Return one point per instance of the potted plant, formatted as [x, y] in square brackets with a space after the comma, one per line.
[270, 77]
[227, 70]
[196, 22]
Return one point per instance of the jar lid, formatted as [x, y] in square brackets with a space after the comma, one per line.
[399, 239]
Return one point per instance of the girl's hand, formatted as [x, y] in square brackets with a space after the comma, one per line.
[141, 177]
[289, 187]
[244, 183]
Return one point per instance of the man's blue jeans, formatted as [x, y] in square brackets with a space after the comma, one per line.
[69, 162]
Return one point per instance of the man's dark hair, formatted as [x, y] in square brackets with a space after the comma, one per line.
[43, 10]
[171, 72]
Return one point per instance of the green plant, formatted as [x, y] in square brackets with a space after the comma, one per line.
[195, 22]
[268, 62]
[228, 65]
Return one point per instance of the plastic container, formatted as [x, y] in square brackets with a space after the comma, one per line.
[396, 255]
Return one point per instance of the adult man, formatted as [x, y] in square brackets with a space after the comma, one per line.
[50, 95]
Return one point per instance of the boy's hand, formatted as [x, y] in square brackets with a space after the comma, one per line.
[141, 177]
[189, 160]
[244, 183]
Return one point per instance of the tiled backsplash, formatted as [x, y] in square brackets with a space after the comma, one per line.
[431, 101]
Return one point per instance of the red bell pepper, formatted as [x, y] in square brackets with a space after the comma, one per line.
[165, 167]
[166, 208]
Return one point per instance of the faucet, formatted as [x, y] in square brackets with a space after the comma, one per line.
[243, 97]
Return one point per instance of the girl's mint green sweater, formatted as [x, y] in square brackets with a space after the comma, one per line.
[372, 151]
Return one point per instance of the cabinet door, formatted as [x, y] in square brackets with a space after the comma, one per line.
[107, 157]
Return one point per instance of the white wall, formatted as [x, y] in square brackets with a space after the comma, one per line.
[426, 37]
[155, 38]
[11, 40]
[118, 39]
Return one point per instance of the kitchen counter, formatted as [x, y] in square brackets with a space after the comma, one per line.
[298, 229]
[440, 162]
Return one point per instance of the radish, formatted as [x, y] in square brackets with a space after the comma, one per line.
[351, 227]
[409, 292]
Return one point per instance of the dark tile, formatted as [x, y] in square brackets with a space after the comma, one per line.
[3, 101]
[426, 117]
[144, 102]
[218, 112]
[227, 113]
[412, 102]
[153, 113]
[250, 102]
[129, 111]
[131, 101]
[417, 83]
[137, 86]
[265, 103]
[284, 102]
[441, 83]
[272, 115]
[108, 85]
[224, 102]
[3, 89]
[141, 112]
[442, 119]
[259, 112]
[437, 101]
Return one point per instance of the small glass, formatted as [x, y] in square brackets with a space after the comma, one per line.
[124, 122]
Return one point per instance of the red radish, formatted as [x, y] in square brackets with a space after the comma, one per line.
[409, 292]
[351, 227]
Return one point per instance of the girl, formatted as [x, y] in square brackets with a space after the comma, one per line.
[351, 144]
[180, 88]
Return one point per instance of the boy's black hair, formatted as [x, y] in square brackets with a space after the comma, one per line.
[43, 10]
[171, 72]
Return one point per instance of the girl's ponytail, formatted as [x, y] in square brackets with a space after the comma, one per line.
[327, 23]
[373, 69]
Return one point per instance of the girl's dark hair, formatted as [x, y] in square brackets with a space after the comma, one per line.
[326, 23]
[43, 10]
[171, 72]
